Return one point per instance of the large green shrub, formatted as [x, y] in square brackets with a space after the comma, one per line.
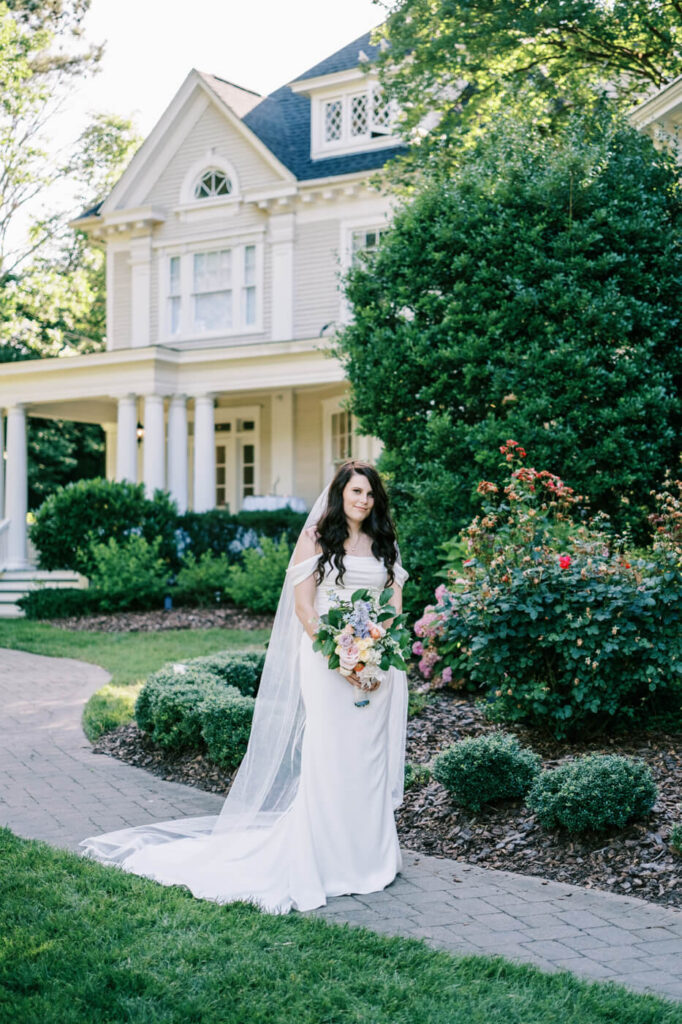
[95, 511]
[532, 292]
[593, 793]
[257, 583]
[129, 574]
[224, 534]
[202, 581]
[168, 707]
[562, 637]
[482, 769]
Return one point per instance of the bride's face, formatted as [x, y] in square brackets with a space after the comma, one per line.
[358, 499]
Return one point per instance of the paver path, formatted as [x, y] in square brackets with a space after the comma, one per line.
[53, 787]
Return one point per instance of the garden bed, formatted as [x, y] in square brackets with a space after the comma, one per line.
[227, 617]
[634, 861]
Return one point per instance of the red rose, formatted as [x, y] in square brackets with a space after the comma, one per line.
[564, 561]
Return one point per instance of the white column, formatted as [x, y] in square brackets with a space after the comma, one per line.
[2, 463]
[282, 443]
[177, 451]
[126, 439]
[204, 453]
[154, 453]
[17, 488]
[109, 450]
[281, 238]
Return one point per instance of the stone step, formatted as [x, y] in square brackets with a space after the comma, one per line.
[14, 583]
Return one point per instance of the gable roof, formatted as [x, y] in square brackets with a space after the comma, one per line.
[282, 122]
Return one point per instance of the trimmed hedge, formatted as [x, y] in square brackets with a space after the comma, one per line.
[205, 704]
[59, 602]
[483, 769]
[593, 793]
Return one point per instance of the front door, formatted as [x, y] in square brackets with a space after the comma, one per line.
[236, 456]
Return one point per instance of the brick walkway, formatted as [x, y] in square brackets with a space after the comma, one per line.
[52, 787]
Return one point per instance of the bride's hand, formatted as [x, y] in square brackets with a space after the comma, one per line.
[354, 681]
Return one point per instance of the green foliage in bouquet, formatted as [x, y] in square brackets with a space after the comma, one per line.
[593, 793]
[482, 769]
[360, 612]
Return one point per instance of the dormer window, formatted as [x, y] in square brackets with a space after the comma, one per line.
[356, 118]
[212, 184]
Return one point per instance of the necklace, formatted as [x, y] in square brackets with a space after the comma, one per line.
[354, 547]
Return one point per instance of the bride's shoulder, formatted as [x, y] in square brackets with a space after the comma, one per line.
[307, 545]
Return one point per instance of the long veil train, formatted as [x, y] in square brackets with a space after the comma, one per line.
[264, 787]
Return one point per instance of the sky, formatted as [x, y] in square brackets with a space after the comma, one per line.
[151, 45]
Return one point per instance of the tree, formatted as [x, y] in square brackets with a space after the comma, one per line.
[534, 294]
[52, 284]
[462, 62]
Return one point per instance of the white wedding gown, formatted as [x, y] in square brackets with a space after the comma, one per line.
[338, 835]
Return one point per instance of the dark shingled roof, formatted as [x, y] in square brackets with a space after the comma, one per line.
[282, 122]
[343, 60]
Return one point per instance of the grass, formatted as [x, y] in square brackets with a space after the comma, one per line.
[129, 657]
[82, 942]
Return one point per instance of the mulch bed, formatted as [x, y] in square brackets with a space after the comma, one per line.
[177, 618]
[633, 861]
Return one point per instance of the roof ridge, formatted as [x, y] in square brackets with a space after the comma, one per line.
[234, 85]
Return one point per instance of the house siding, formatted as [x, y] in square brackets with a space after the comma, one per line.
[316, 277]
[307, 441]
[211, 132]
[122, 299]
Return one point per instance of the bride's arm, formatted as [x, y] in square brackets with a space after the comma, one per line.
[304, 592]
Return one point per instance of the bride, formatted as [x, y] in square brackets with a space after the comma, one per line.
[309, 814]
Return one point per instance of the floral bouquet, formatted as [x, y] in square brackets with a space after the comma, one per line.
[352, 637]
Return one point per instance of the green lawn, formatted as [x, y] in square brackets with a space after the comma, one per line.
[82, 943]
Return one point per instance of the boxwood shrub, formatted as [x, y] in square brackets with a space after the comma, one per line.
[226, 717]
[205, 704]
[593, 793]
[480, 770]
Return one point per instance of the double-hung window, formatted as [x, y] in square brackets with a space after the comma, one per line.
[214, 291]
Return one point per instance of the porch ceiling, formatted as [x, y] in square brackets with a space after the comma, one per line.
[86, 388]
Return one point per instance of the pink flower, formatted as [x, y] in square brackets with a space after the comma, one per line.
[441, 591]
[564, 561]
[345, 640]
[418, 647]
[447, 675]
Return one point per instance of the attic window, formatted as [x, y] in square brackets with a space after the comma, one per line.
[354, 120]
[213, 183]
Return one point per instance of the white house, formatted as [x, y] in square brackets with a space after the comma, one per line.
[225, 240]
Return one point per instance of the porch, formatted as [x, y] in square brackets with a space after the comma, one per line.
[214, 428]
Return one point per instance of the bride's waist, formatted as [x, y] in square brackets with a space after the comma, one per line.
[325, 599]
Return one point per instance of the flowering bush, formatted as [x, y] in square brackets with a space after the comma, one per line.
[549, 616]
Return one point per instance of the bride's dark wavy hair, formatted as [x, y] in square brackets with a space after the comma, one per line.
[332, 528]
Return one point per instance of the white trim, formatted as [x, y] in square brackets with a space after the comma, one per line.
[320, 147]
[169, 133]
[210, 161]
[329, 407]
[347, 229]
[186, 252]
[331, 82]
[234, 441]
